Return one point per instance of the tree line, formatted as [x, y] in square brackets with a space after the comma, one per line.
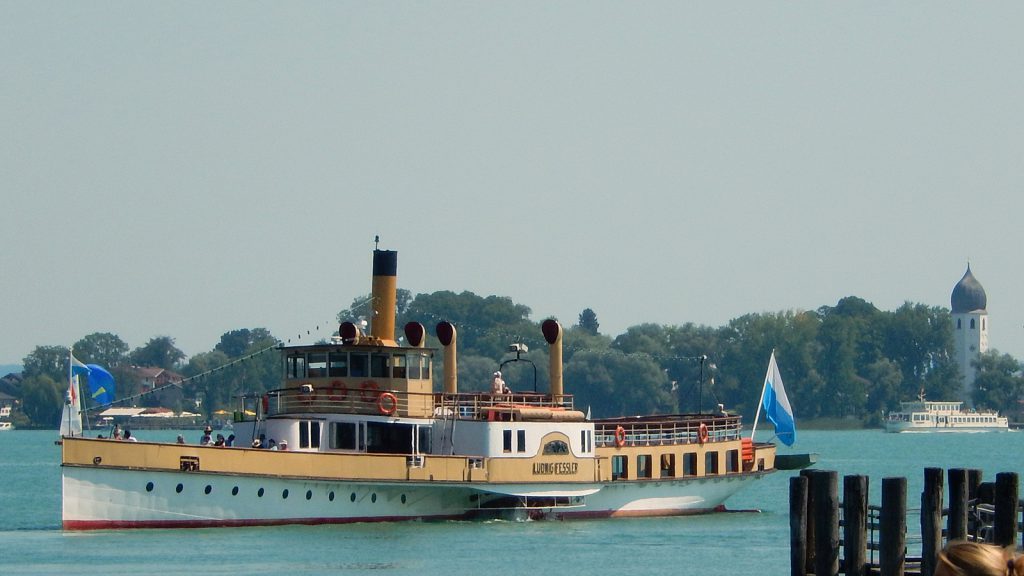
[850, 362]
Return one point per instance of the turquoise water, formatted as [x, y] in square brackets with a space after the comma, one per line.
[726, 544]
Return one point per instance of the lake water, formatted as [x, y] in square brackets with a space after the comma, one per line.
[739, 543]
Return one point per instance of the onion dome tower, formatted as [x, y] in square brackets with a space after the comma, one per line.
[970, 327]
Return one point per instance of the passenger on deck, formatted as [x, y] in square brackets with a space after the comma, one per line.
[230, 441]
[498, 385]
[181, 439]
[116, 434]
[283, 445]
[128, 436]
[207, 438]
[272, 445]
[219, 441]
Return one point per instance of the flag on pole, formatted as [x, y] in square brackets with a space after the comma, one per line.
[78, 367]
[101, 385]
[776, 405]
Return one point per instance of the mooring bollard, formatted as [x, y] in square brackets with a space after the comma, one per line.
[1006, 506]
[855, 525]
[893, 529]
[931, 520]
[809, 530]
[825, 485]
[798, 525]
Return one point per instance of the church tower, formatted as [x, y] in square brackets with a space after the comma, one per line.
[970, 327]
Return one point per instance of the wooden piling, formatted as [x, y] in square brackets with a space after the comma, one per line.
[1006, 506]
[825, 485]
[855, 526]
[798, 525]
[893, 529]
[931, 520]
[958, 493]
[809, 528]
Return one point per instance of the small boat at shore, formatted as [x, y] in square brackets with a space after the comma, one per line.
[5, 426]
[937, 416]
[362, 436]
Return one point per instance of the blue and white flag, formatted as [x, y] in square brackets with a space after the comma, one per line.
[776, 405]
[101, 385]
[77, 367]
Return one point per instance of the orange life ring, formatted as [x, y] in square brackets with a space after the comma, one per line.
[338, 391]
[391, 407]
[368, 391]
[620, 436]
[702, 433]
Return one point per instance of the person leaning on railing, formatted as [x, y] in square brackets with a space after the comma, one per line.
[963, 558]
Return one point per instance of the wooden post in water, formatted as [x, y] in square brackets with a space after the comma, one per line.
[855, 525]
[893, 529]
[798, 525]
[809, 530]
[1006, 504]
[825, 486]
[957, 529]
[931, 520]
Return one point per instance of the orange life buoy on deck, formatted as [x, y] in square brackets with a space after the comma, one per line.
[368, 391]
[702, 433]
[387, 403]
[338, 391]
[620, 436]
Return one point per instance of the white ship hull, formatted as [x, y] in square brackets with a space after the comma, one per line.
[98, 498]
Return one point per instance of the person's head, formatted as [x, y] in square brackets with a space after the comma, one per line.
[220, 437]
[181, 439]
[208, 430]
[962, 558]
[256, 443]
[127, 433]
[497, 374]
[283, 445]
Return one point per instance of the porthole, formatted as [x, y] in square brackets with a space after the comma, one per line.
[260, 492]
[352, 497]
[149, 486]
[373, 497]
[234, 491]
[403, 498]
[208, 489]
[330, 496]
[179, 488]
[309, 494]
[284, 493]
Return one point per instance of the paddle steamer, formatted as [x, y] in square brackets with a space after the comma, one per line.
[368, 439]
[931, 416]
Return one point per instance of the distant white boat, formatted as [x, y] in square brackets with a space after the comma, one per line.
[928, 416]
[5, 426]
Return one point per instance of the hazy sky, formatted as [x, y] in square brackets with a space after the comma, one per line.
[189, 168]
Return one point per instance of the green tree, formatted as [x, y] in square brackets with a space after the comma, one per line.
[159, 352]
[50, 361]
[588, 321]
[42, 400]
[102, 348]
[998, 384]
[613, 383]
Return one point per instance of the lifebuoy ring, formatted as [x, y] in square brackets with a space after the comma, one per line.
[702, 433]
[620, 436]
[387, 403]
[338, 391]
[368, 391]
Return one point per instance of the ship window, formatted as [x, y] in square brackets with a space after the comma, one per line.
[620, 468]
[668, 465]
[982, 323]
[972, 323]
[284, 493]
[425, 367]
[710, 463]
[555, 447]
[379, 366]
[958, 321]
[338, 365]
[398, 366]
[385, 438]
[343, 436]
[583, 441]
[521, 441]
[317, 367]
[506, 440]
[690, 464]
[296, 367]
[359, 365]
[309, 434]
[424, 440]
[643, 466]
[732, 461]
[414, 366]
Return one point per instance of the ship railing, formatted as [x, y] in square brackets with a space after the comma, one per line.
[667, 432]
[337, 401]
[477, 405]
